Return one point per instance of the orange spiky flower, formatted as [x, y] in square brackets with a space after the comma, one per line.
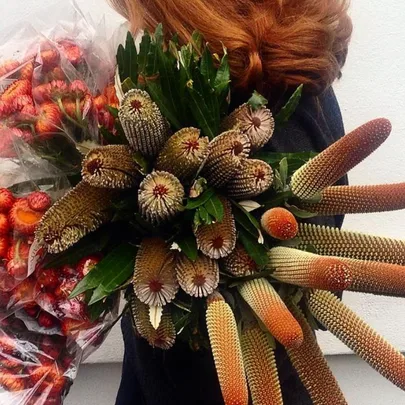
[334, 162]
[308, 270]
[339, 200]
[335, 242]
[8, 66]
[271, 310]
[358, 336]
[49, 119]
[18, 88]
[239, 263]
[12, 382]
[312, 367]
[260, 366]
[280, 223]
[226, 349]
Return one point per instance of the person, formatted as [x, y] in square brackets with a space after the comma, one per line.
[274, 46]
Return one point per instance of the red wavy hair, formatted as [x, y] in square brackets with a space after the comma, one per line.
[273, 45]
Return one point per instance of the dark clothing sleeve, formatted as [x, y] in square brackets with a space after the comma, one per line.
[180, 376]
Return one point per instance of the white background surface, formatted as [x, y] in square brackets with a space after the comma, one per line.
[373, 85]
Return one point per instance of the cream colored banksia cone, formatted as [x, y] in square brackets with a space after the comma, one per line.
[358, 336]
[226, 349]
[312, 367]
[144, 125]
[335, 161]
[260, 366]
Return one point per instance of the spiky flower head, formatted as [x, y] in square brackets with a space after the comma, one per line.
[144, 125]
[306, 269]
[335, 161]
[239, 263]
[280, 223]
[154, 279]
[271, 310]
[81, 211]
[218, 240]
[160, 197]
[358, 336]
[253, 178]
[225, 158]
[258, 125]
[339, 200]
[226, 349]
[184, 153]
[110, 166]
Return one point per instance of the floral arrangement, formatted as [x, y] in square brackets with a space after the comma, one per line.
[181, 206]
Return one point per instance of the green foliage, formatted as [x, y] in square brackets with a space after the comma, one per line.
[255, 250]
[188, 245]
[208, 208]
[289, 109]
[257, 101]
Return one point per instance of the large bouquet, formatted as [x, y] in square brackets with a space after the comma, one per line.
[181, 206]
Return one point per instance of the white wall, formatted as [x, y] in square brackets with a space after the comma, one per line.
[373, 85]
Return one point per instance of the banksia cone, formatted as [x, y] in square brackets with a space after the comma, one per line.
[260, 366]
[224, 340]
[360, 199]
[334, 162]
[312, 367]
[271, 310]
[154, 279]
[358, 336]
[252, 179]
[198, 278]
[164, 336]
[144, 125]
[280, 223]
[160, 197]
[218, 240]
[335, 242]
[110, 166]
[81, 211]
[257, 125]
[184, 153]
[225, 158]
[308, 270]
[239, 263]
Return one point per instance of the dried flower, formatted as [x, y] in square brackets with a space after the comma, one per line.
[334, 162]
[49, 119]
[271, 310]
[39, 201]
[23, 219]
[22, 101]
[18, 88]
[12, 382]
[225, 158]
[72, 52]
[28, 114]
[239, 263]
[218, 240]
[79, 89]
[58, 89]
[27, 70]
[154, 279]
[111, 95]
[252, 179]
[198, 278]
[358, 336]
[144, 125]
[81, 211]
[110, 166]
[225, 345]
[6, 108]
[280, 223]
[49, 59]
[57, 73]
[42, 93]
[6, 200]
[184, 153]
[160, 197]
[306, 269]
[8, 66]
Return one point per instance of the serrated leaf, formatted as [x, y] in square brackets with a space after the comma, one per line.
[188, 246]
[247, 221]
[223, 76]
[197, 41]
[201, 200]
[144, 51]
[205, 217]
[131, 59]
[155, 316]
[142, 162]
[288, 110]
[254, 249]
[128, 85]
[300, 213]
[257, 101]
[284, 172]
[215, 208]
[207, 67]
[278, 183]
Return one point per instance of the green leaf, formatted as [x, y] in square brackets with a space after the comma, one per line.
[246, 220]
[197, 219]
[158, 36]
[284, 172]
[201, 200]
[254, 249]
[113, 111]
[131, 58]
[188, 246]
[288, 110]
[144, 51]
[197, 42]
[205, 217]
[257, 101]
[96, 310]
[207, 67]
[127, 85]
[110, 138]
[121, 62]
[215, 208]
[300, 213]
[223, 77]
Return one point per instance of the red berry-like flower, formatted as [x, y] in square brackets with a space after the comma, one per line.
[48, 279]
[49, 59]
[47, 320]
[87, 264]
[24, 292]
[4, 243]
[49, 120]
[18, 88]
[23, 219]
[39, 201]
[4, 224]
[21, 101]
[32, 309]
[6, 200]
[79, 89]
[42, 93]
[100, 102]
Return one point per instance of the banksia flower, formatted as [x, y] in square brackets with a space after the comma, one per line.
[160, 197]
[49, 119]
[334, 162]
[360, 199]
[260, 366]
[239, 263]
[252, 179]
[224, 340]
[358, 336]
[225, 158]
[110, 166]
[280, 223]
[308, 270]
[335, 242]
[144, 125]
[154, 279]
[218, 240]
[81, 211]
[271, 310]
[164, 336]
[257, 125]
[312, 367]
[184, 153]
[198, 278]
